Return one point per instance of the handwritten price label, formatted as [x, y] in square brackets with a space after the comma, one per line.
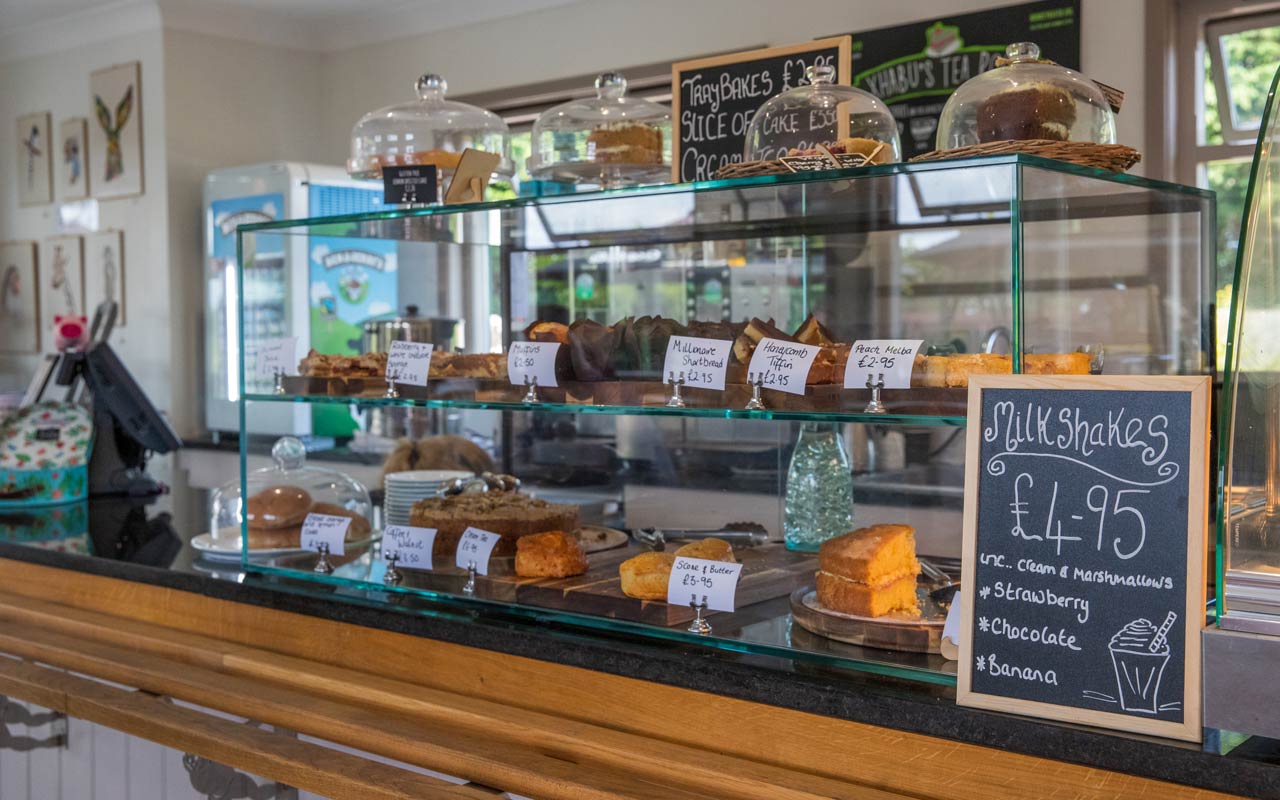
[700, 579]
[698, 362]
[278, 357]
[326, 529]
[892, 358]
[782, 365]
[411, 546]
[409, 362]
[474, 547]
[536, 360]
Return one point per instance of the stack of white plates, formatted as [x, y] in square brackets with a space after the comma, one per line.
[403, 489]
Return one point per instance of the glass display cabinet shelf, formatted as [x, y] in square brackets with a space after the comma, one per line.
[996, 264]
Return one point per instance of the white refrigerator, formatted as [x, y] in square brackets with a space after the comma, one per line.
[279, 283]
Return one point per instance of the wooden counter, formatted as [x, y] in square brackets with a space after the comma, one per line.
[515, 724]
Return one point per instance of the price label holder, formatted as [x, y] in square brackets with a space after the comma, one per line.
[532, 364]
[703, 585]
[780, 365]
[404, 546]
[1085, 516]
[411, 185]
[408, 363]
[474, 549]
[326, 534]
[475, 168]
[877, 364]
[277, 358]
[951, 628]
[695, 362]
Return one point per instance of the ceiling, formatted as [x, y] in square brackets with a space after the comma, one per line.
[324, 25]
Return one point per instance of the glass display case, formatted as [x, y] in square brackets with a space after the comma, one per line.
[1249, 455]
[1026, 99]
[608, 141]
[995, 264]
[430, 130]
[823, 112]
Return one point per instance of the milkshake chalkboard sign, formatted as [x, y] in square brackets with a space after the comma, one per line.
[1084, 536]
[713, 101]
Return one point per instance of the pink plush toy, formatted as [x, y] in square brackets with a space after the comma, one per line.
[70, 332]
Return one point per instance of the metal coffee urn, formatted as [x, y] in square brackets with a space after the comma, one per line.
[390, 423]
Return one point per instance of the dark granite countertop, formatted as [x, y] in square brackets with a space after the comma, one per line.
[129, 541]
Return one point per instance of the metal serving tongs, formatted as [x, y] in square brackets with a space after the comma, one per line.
[738, 534]
[945, 588]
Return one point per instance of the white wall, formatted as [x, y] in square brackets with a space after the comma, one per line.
[228, 103]
[588, 37]
[59, 83]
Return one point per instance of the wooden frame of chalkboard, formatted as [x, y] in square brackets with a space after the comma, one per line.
[843, 73]
[1128, 443]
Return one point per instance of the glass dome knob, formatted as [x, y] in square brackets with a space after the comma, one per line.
[820, 73]
[611, 85]
[1022, 51]
[289, 453]
[431, 87]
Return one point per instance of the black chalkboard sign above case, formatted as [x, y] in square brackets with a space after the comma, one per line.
[1084, 549]
[713, 99]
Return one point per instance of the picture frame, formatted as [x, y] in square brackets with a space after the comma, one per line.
[19, 297]
[61, 281]
[33, 173]
[104, 272]
[115, 131]
[73, 159]
[1145, 431]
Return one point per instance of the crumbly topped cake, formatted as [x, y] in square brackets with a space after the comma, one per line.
[511, 515]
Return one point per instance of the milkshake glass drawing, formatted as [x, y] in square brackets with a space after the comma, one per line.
[1139, 653]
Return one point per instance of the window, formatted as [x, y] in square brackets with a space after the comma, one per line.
[1232, 52]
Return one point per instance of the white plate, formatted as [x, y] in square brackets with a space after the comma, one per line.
[226, 546]
[420, 476]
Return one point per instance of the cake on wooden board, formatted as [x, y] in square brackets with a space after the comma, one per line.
[869, 572]
[510, 515]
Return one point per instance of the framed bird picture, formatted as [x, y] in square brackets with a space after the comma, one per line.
[34, 175]
[70, 151]
[115, 131]
[19, 298]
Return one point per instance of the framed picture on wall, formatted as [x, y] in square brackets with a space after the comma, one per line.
[34, 174]
[19, 298]
[61, 282]
[72, 156]
[104, 271]
[115, 131]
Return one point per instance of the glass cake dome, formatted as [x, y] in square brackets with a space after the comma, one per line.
[280, 497]
[841, 118]
[1028, 99]
[429, 130]
[608, 140]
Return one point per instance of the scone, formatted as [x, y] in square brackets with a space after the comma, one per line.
[275, 538]
[710, 549]
[554, 554]
[869, 572]
[645, 576]
[277, 507]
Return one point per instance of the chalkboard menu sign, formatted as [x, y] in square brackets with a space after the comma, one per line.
[1084, 537]
[914, 68]
[714, 99]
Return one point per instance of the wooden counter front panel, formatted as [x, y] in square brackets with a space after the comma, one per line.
[635, 735]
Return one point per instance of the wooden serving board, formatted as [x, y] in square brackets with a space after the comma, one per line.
[768, 572]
